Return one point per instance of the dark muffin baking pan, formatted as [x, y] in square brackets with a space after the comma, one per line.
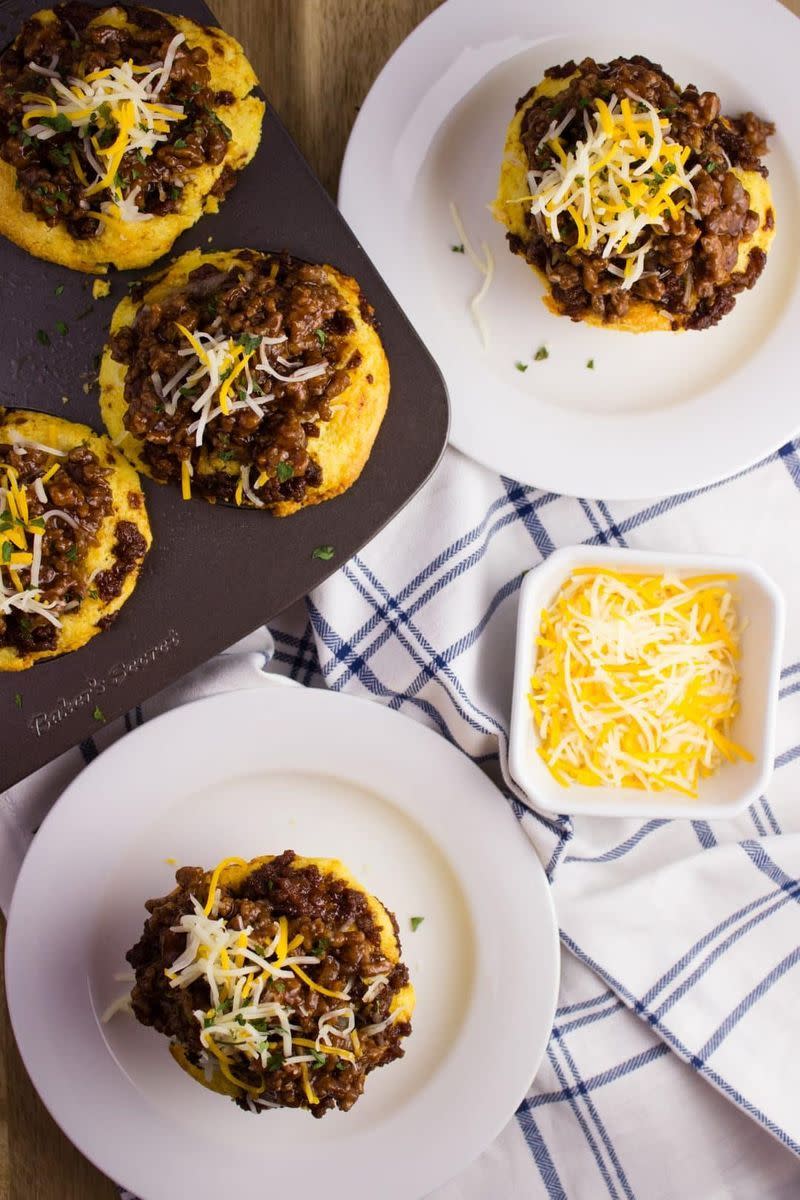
[214, 573]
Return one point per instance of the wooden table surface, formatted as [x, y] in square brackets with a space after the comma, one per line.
[316, 60]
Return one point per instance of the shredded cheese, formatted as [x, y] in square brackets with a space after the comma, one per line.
[245, 1023]
[122, 103]
[624, 176]
[486, 267]
[21, 539]
[220, 377]
[636, 680]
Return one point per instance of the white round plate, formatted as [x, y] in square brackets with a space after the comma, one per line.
[660, 413]
[256, 772]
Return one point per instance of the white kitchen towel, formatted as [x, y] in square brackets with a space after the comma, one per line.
[671, 1072]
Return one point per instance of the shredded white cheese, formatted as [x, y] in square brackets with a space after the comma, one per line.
[617, 181]
[486, 267]
[123, 99]
[247, 1016]
[636, 680]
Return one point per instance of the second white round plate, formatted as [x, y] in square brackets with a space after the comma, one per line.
[258, 772]
[657, 413]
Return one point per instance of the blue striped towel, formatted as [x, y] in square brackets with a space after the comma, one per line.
[669, 1074]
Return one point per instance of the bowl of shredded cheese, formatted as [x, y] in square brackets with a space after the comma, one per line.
[645, 684]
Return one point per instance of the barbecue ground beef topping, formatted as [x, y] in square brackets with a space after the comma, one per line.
[278, 985]
[103, 120]
[52, 505]
[238, 371]
[635, 193]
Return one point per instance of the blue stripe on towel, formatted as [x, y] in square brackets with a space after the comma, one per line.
[752, 997]
[624, 847]
[677, 1045]
[541, 1155]
[619, 1071]
[596, 1119]
[570, 1097]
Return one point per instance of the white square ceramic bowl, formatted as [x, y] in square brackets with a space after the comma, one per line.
[761, 613]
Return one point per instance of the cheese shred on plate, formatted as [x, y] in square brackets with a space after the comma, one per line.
[636, 680]
[615, 184]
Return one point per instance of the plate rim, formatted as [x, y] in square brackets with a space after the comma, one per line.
[95, 1147]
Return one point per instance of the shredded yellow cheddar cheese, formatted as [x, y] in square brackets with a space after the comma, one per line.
[636, 680]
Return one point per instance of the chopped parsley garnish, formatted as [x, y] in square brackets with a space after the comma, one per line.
[179, 143]
[218, 121]
[590, 364]
[58, 290]
[18, 699]
[42, 337]
[175, 193]
[521, 366]
[326, 553]
[415, 923]
[318, 1056]
[6, 553]
[60, 123]
[72, 553]
[320, 947]
[584, 102]
[579, 179]
[541, 354]
[249, 341]
[670, 169]
[711, 167]
[58, 156]
[62, 328]
[275, 1061]
[284, 471]
[279, 985]
[227, 455]
[98, 713]
[93, 594]
[459, 249]
[321, 336]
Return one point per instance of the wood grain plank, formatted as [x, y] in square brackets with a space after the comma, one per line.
[317, 60]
